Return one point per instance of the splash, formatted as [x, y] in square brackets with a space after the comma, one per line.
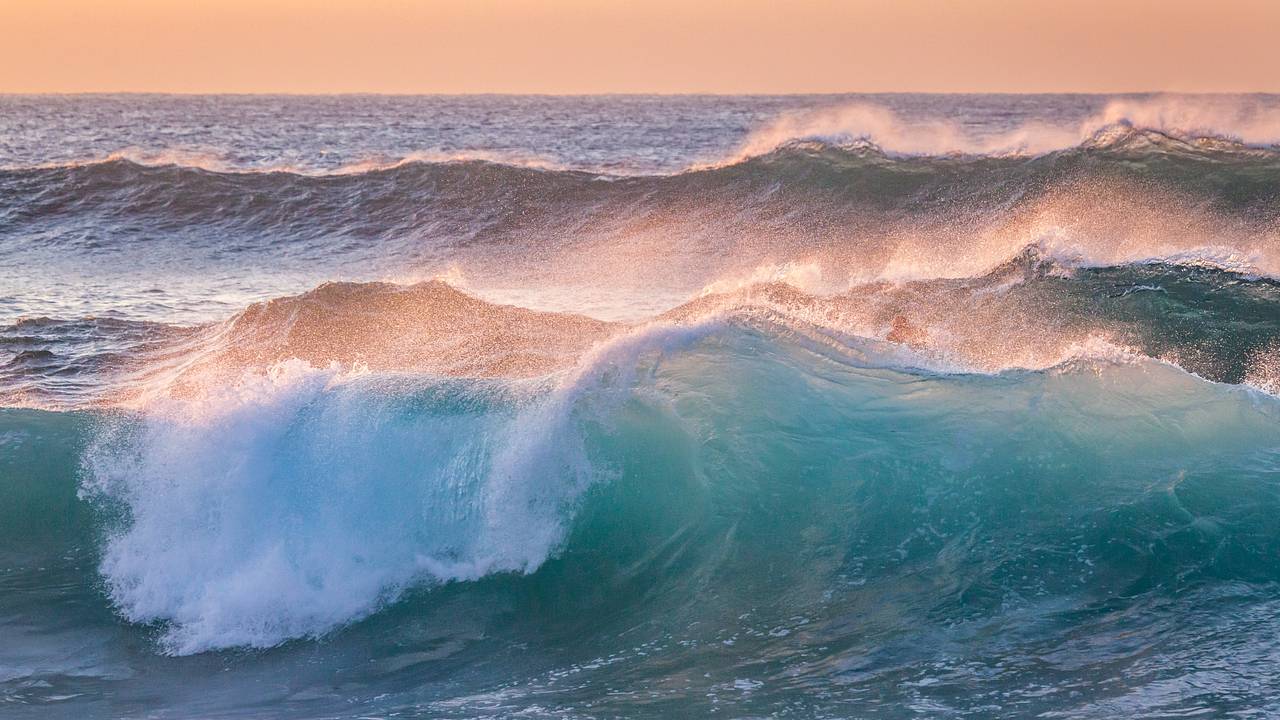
[343, 490]
[1200, 118]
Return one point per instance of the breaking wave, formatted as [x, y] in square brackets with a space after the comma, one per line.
[864, 415]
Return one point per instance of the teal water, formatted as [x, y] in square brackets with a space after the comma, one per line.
[753, 526]
[639, 407]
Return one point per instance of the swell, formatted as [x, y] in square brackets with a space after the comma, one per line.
[1204, 122]
[850, 214]
[866, 408]
[1244, 175]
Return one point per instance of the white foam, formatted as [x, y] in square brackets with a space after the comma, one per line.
[302, 499]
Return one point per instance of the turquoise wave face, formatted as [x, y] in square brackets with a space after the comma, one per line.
[712, 519]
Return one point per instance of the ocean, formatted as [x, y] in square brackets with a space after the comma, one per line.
[864, 406]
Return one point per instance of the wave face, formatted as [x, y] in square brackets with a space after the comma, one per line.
[826, 407]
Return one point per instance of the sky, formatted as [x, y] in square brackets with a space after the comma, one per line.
[660, 46]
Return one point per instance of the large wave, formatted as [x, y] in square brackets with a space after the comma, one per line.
[692, 489]
[342, 490]
[308, 462]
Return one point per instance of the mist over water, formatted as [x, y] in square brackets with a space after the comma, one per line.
[875, 406]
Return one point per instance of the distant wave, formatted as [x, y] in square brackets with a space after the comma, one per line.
[1220, 123]
[214, 162]
[1126, 195]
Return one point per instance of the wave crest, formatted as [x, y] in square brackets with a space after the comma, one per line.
[1208, 123]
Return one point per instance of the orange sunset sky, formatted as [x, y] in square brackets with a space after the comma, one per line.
[580, 46]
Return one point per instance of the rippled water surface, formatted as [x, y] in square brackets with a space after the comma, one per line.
[835, 406]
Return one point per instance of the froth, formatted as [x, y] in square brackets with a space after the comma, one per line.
[300, 499]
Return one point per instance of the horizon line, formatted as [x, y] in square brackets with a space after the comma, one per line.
[374, 93]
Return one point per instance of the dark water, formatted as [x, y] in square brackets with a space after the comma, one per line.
[898, 406]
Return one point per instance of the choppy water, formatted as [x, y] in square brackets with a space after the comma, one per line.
[897, 406]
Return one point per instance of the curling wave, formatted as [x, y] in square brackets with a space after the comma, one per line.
[695, 489]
